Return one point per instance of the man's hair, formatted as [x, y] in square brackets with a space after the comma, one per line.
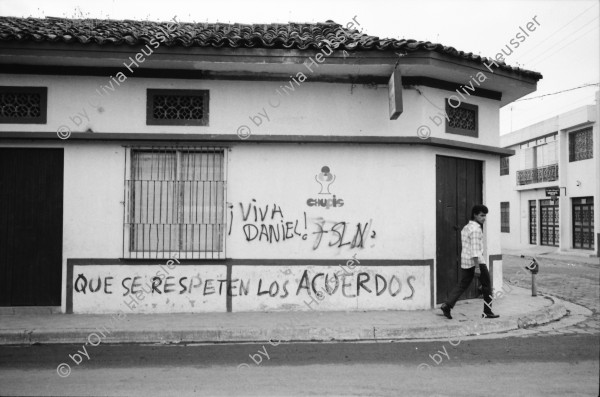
[477, 209]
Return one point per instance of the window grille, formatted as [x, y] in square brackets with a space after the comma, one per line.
[23, 105]
[462, 120]
[532, 222]
[549, 223]
[580, 145]
[583, 223]
[177, 107]
[174, 203]
[504, 165]
[505, 217]
[548, 173]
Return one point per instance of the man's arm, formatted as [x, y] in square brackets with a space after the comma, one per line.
[477, 246]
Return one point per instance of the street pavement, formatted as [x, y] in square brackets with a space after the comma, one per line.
[576, 282]
[559, 365]
[556, 359]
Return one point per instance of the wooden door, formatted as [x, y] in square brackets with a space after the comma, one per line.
[583, 223]
[549, 223]
[532, 222]
[31, 216]
[458, 188]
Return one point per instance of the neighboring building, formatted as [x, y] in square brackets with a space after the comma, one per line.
[261, 156]
[550, 186]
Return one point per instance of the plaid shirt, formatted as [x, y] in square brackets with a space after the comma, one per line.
[472, 245]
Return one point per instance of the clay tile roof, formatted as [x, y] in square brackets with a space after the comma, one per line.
[298, 36]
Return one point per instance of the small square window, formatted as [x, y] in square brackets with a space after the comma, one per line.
[177, 107]
[462, 119]
[23, 105]
[504, 165]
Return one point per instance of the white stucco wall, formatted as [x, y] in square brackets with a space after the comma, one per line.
[380, 185]
[382, 288]
[508, 193]
[166, 288]
[398, 204]
[311, 109]
[390, 187]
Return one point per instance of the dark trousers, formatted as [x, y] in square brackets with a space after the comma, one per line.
[466, 276]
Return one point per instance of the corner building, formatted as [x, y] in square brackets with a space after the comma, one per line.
[550, 186]
[215, 178]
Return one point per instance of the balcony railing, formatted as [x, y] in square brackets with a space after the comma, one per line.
[547, 173]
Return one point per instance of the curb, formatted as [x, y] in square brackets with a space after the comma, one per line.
[302, 334]
[554, 312]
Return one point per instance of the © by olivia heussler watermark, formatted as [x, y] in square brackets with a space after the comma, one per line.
[424, 131]
[262, 117]
[320, 295]
[77, 120]
[438, 357]
[64, 369]
[472, 329]
[257, 357]
[94, 339]
[158, 278]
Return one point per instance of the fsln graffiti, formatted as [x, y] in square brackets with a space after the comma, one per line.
[268, 224]
[355, 239]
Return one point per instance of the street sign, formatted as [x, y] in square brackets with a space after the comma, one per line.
[553, 191]
[395, 94]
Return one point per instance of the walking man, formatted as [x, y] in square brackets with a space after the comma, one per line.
[472, 263]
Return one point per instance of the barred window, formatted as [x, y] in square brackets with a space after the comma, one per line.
[462, 120]
[580, 145]
[504, 165]
[174, 203]
[532, 222]
[505, 217]
[23, 105]
[177, 107]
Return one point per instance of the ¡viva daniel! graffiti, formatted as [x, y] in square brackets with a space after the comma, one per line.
[274, 227]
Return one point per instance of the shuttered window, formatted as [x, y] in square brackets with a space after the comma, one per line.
[175, 200]
[505, 217]
[504, 170]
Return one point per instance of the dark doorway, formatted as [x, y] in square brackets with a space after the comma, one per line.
[549, 223]
[532, 222]
[583, 223]
[31, 216]
[458, 187]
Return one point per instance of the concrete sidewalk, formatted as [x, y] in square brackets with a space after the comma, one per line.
[517, 309]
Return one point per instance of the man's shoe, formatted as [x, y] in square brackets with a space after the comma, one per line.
[489, 315]
[446, 309]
